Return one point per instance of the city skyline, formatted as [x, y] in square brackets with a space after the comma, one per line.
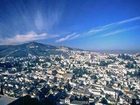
[90, 24]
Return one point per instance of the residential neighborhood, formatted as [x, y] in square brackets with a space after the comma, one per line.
[82, 77]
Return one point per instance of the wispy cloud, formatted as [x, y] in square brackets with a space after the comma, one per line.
[114, 32]
[129, 20]
[68, 37]
[118, 31]
[31, 36]
[39, 21]
[109, 26]
[48, 21]
[102, 28]
[98, 29]
[48, 17]
[102, 31]
[111, 29]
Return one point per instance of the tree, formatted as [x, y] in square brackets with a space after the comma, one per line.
[104, 101]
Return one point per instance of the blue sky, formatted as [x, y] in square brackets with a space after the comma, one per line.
[86, 24]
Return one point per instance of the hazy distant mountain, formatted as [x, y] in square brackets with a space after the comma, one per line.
[31, 48]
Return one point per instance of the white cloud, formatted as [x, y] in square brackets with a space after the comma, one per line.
[112, 28]
[119, 31]
[109, 26]
[31, 36]
[75, 36]
[39, 21]
[129, 20]
[68, 37]
[102, 31]
[101, 28]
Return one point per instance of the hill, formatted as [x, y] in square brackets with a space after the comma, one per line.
[32, 48]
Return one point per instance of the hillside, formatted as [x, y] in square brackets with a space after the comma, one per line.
[31, 48]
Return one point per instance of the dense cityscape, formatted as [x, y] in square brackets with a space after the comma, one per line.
[69, 52]
[74, 77]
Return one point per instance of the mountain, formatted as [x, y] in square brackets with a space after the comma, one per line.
[31, 48]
